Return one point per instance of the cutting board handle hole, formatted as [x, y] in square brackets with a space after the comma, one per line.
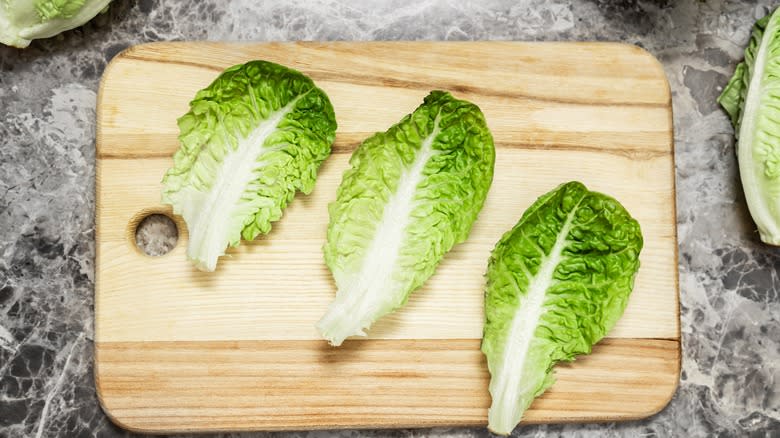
[154, 233]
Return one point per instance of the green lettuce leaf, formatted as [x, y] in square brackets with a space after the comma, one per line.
[556, 284]
[22, 21]
[410, 195]
[734, 94]
[731, 97]
[251, 139]
[752, 100]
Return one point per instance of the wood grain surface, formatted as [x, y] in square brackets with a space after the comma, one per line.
[181, 350]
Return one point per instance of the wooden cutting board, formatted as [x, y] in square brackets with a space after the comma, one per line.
[181, 350]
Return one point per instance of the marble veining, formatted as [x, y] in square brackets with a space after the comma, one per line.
[729, 282]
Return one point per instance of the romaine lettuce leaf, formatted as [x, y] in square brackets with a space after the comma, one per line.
[734, 94]
[251, 139]
[410, 195]
[752, 100]
[556, 284]
[22, 21]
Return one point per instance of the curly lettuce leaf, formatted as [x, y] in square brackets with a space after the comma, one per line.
[731, 97]
[734, 93]
[251, 139]
[22, 21]
[752, 100]
[410, 195]
[556, 284]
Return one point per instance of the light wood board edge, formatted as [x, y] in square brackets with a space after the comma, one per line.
[148, 426]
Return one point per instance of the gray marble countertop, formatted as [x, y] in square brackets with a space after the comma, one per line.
[730, 283]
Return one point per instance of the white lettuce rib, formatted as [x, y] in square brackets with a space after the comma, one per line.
[208, 214]
[505, 410]
[366, 295]
[759, 200]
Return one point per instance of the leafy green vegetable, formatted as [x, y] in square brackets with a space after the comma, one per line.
[251, 139]
[752, 99]
[556, 284]
[22, 21]
[411, 194]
